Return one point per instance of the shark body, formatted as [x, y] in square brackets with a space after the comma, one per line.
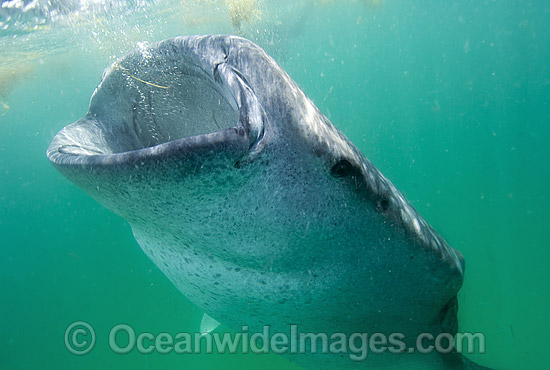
[255, 206]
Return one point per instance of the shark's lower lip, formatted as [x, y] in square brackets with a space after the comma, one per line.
[230, 140]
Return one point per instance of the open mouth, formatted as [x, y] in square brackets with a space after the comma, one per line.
[160, 95]
[176, 102]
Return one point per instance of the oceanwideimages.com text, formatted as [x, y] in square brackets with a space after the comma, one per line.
[80, 339]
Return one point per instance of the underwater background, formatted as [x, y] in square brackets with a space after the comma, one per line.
[449, 99]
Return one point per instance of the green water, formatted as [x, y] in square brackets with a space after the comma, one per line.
[449, 99]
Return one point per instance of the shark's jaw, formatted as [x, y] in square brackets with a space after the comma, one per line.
[153, 106]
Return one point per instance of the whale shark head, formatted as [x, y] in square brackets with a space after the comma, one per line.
[250, 201]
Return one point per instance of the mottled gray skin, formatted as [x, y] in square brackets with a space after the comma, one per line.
[254, 205]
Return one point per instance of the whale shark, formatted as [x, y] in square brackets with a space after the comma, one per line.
[256, 207]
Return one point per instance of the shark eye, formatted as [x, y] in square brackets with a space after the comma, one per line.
[342, 168]
[384, 204]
